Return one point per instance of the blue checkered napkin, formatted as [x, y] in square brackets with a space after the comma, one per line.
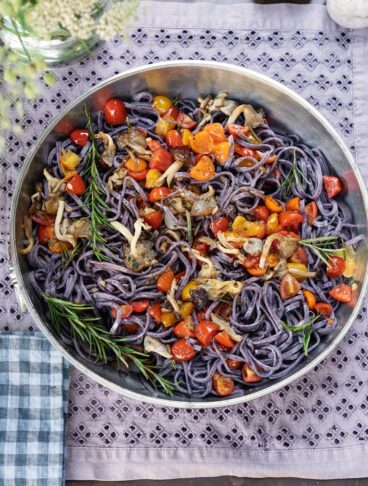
[33, 404]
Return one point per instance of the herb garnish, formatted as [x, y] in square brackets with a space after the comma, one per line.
[295, 175]
[323, 247]
[306, 328]
[88, 329]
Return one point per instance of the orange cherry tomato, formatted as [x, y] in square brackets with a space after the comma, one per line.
[273, 205]
[75, 185]
[256, 271]
[201, 247]
[221, 151]
[244, 152]
[158, 193]
[332, 186]
[136, 165]
[287, 218]
[140, 305]
[248, 375]
[56, 246]
[224, 339]
[184, 329]
[203, 171]
[289, 286]
[205, 331]
[261, 213]
[236, 129]
[155, 312]
[154, 219]
[219, 224]
[323, 309]
[234, 364]
[174, 139]
[161, 103]
[182, 350]
[342, 293]
[46, 233]
[202, 143]
[216, 130]
[153, 144]
[161, 159]
[293, 204]
[115, 112]
[223, 385]
[126, 311]
[310, 299]
[311, 210]
[251, 261]
[138, 176]
[336, 266]
[185, 121]
[165, 280]
[80, 137]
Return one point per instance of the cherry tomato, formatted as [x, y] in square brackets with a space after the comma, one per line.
[80, 137]
[161, 159]
[179, 276]
[138, 176]
[261, 213]
[332, 186]
[219, 224]
[161, 103]
[126, 311]
[342, 293]
[204, 170]
[165, 280]
[225, 340]
[311, 210]
[185, 121]
[130, 327]
[184, 329]
[216, 131]
[201, 316]
[202, 143]
[323, 309]
[173, 139]
[223, 385]
[154, 219]
[205, 331]
[171, 114]
[336, 266]
[300, 256]
[248, 375]
[234, 364]
[136, 165]
[140, 305]
[76, 185]
[273, 205]
[155, 312]
[45, 233]
[201, 247]
[224, 310]
[251, 261]
[287, 218]
[256, 271]
[158, 193]
[56, 246]
[115, 112]
[243, 151]
[310, 299]
[45, 220]
[182, 350]
[289, 286]
[153, 144]
[221, 151]
[293, 204]
[235, 129]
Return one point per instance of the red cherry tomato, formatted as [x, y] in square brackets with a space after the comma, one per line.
[138, 176]
[184, 329]
[251, 261]
[311, 210]
[126, 311]
[342, 293]
[158, 193]
[248, 375]
[140, 305]
[173, 139]
[289, 286]
[234, 364]
[300, 256]
[323, 309]
[171, 114]
[182, 350]
[202, 248]
[155, 312]
[235, 129]
[165, 280]
[153, 144]
[219, 224]
[287, 218]
[76, 185]
[115, 112]
[154, 219]
[261, 213]
[332, 186]
[185, 121]
[336, 266]
[80, 137]
[223, 385]
[205, 331]
[224, 339]
[45, 220]
[244, 152]
[45, 233]
[161, 159]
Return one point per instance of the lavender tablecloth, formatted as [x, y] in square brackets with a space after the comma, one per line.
[318, 426]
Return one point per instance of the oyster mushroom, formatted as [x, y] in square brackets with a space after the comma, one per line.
[109, 152]
[135, 140]
[252, 118]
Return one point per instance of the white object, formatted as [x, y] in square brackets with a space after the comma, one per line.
[349, 13]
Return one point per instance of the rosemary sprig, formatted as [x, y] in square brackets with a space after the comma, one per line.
[68, 256]
[295, 175]
[88, 328]
[305, 328]
[254, 135]
[324, 247]
[95, 194]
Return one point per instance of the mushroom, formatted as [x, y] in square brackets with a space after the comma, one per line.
[154, 345]
[135, 140]
[169, 174]
[205, 205]
[116, 179]
[216, 289]
[27, 225]
[225, 326]
[253, 246]
[109, 152]
[252, 118]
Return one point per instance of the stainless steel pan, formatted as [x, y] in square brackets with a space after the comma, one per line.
[284, 108]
